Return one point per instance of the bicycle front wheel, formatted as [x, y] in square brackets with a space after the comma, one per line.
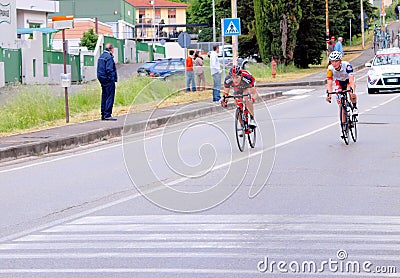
[353, 128]
[239, 129]
[344, 124]
[252, 137]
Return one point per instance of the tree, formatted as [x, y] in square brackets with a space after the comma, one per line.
[277, 24]
[89, 39]
[339, 15]
[310, 36]
[205, 35]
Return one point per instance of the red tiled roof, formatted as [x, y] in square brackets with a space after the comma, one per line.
[158, 4]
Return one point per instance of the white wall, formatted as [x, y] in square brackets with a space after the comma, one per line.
[143, 56]
[38, 5]
[32, 50]
[130, 51]
[173, 50]
[26, 17]
[8, 24]
[55, 71]
[2, 78]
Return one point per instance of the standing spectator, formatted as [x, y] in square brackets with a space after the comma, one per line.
[396, 11]
[339, 46]
[330, 48]
[189, 72]
[216, 72]
[107, 75]
[199, 71]
[331, 45]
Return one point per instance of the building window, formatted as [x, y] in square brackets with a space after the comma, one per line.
[33, 25]
[172, 15]
[158, 14]
[142, 13]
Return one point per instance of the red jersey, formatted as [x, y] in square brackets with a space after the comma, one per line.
[246, 81]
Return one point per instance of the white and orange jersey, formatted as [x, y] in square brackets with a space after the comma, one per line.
[346, 70]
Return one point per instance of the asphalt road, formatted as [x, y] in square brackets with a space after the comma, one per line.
[301, 197]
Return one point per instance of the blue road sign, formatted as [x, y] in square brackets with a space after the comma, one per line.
[184, 40]
[231, 27]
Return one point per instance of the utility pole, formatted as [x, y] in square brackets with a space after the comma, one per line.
[154, 23]
[362, 24]
[234, 38]
[327, 23]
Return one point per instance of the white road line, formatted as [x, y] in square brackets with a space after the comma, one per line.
[197, 244]
[217, 255]
[214, 227]
[233, 218]
[130, 270]
[191, 271]
[292, 236]
[299, 97]
[297, 91]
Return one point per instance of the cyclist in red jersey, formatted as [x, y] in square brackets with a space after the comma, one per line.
[242, 82]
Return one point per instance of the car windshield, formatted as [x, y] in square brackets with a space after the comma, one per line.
[147, 65]
[387, 59]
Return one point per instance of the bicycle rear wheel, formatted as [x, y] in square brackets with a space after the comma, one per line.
[353, 128]
[252, 137]
[344, 124]
[239, 129]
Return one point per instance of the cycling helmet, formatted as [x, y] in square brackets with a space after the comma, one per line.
[335, 56]
[235, 70]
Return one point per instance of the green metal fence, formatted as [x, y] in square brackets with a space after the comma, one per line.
[56, 57]
[88, 60]
[12, 59]
[160, 50]
[117, 43]
[74, 61]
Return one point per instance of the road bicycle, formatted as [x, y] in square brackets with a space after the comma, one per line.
[242, 127]
[348, 121]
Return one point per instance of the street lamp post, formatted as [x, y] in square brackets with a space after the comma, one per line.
[213, 10]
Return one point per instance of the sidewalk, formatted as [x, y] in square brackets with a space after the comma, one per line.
[75, 135]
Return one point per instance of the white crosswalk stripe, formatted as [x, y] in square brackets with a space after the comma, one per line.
[208, 246]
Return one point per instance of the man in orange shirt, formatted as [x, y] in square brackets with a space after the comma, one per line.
[190, 72]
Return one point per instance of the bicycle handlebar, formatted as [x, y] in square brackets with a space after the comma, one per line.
[340, 92]
[238, 96]
[343, 92]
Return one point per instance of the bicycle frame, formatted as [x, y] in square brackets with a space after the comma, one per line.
[348, 122]
[242, 127]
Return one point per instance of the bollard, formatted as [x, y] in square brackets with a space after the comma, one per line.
[273, 66]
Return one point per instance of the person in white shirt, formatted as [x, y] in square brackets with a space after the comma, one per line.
[215, 68]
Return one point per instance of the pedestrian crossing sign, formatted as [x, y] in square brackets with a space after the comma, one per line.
[231, 26]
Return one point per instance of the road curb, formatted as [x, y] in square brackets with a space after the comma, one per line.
[106, 133]
[293, 84]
